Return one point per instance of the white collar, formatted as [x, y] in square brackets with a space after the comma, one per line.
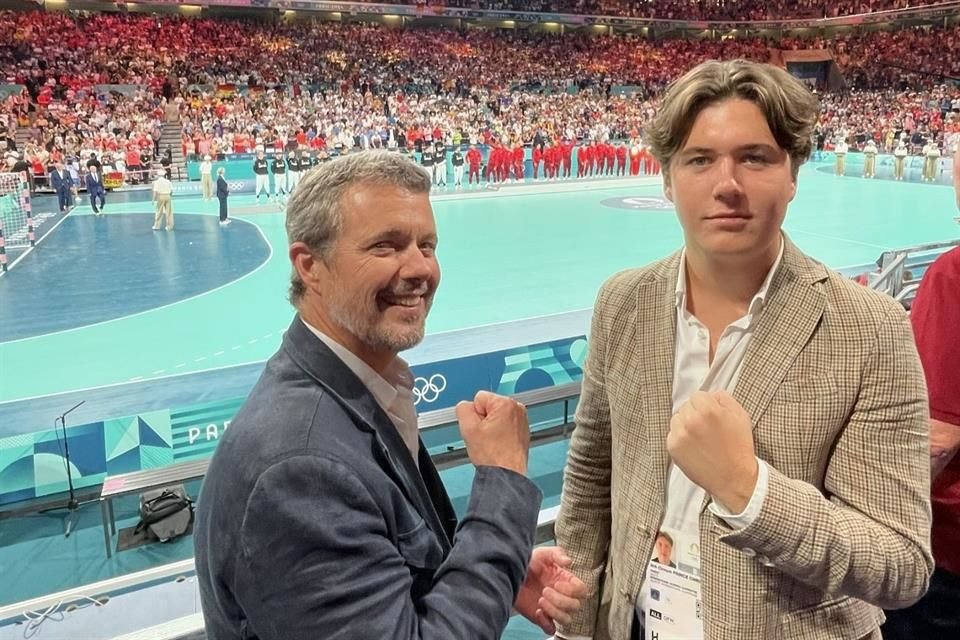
[756, 303]
[385, 387]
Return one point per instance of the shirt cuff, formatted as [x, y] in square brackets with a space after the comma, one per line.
[561, 636]
[749, 514]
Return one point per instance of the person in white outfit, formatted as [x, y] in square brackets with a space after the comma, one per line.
[206, 178]
[840, 151]
[869, 159]
[899, 159]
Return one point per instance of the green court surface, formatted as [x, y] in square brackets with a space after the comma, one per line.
[103, 302]
[521, 252]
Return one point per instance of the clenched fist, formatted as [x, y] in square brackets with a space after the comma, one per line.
[496, 431]
[711, 441]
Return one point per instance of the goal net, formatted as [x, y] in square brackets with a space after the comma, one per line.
[16, 219]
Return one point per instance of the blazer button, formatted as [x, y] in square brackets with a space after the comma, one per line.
[626, 595]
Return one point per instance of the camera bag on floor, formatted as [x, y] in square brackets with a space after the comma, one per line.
[165, 513]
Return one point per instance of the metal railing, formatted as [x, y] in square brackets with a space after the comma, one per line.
[191, 627]
[902, 269]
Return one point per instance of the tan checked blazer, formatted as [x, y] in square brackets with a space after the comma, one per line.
[834, 387]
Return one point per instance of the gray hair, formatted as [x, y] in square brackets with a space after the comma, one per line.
[314, 215]
[789, 107]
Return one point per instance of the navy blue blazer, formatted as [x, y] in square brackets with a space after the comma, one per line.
[61, 181]
[314, 521]
[94, 186]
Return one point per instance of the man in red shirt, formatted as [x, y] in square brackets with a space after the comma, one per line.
[552, 158]
[558, 159]
[473, 161]
[493, 163]
[935, 316]
[621, 152]
[956, 177]
[537, 157]
[503, 164]
[566, 150]
[518, 161]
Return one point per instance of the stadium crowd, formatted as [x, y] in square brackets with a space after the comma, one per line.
[240, 85]
[727, 10]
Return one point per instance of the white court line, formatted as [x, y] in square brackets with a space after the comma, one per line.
[823, 235]
[127, 382]
[171, 304]
[253, 362]
[542, 188]
[218, 353]
[37, 242]
[502, 322]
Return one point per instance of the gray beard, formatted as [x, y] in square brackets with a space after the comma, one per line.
[373, 336]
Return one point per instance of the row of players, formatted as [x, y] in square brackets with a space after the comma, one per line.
[502, 164]
[930, 153]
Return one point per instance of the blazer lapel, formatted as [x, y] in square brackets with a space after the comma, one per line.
[331, 373]
[791, 314]
[654, 355]
[793, 311]
[438, 496]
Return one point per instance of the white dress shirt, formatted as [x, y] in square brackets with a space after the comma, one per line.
[393, 390]
[693, 371]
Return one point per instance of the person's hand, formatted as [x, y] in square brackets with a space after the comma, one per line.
[711, 441]
[550, 593]
[496, 431]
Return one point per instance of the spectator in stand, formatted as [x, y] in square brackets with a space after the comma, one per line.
[935, 316]
[477, 85]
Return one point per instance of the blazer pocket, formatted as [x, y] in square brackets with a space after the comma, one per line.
[855, 617]
[806, 390]
[420, 548]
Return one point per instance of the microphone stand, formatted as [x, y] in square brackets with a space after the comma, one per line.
[72, 504]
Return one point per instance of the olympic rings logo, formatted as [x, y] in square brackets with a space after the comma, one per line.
[428, 390]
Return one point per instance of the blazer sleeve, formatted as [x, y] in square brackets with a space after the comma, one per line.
[583, 525]
[868, 535]
[318, 561]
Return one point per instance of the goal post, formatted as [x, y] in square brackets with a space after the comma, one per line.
[16, 215]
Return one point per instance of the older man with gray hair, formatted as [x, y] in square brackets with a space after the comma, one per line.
[322, 514]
